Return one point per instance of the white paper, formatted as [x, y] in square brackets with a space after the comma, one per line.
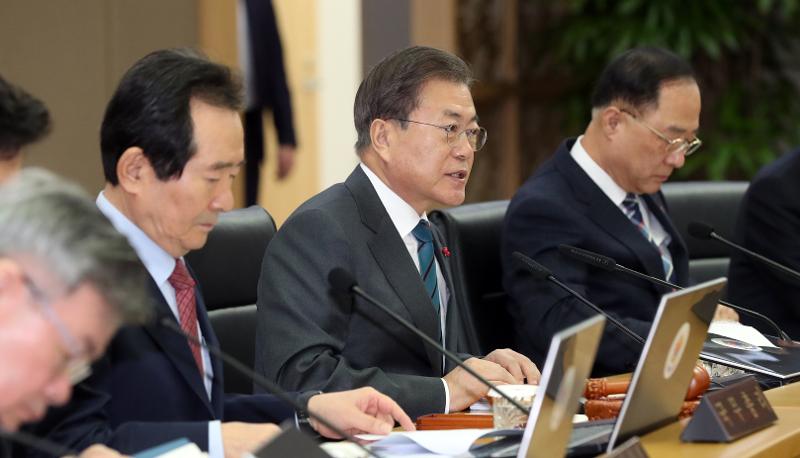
[738, 331]
[413, 444]
[441, 442]
[482, 405]
[186, 451]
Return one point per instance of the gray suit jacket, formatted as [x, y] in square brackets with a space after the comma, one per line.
[309, 339]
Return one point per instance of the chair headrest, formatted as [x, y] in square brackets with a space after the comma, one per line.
[715, 203]
[229, 265]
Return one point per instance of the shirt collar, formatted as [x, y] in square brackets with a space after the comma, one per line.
[403, 215]
[602, 179]
[156, 260]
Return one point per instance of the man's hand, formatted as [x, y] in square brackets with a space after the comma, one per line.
[286, 154]
[364, 410]
[518, 365]
[240, 438]
[466, 389]
[724, 313]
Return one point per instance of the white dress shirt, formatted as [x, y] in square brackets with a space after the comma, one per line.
[617, 195]
[159, 265]
[405, 219]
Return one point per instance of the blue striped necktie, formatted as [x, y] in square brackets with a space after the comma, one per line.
[634, 212]
[427, 261]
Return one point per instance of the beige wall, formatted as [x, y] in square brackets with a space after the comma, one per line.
[297, 27]
[71, 54]
[321, 43]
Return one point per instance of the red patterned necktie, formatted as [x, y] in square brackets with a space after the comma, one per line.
[187, 307]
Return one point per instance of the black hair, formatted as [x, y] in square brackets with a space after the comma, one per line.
[635, 77]
[391, 88]
[23, 119]
[151, 109]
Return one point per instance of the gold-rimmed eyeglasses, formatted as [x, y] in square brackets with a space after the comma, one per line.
[476, 136]
[77, 365]
[674, 146]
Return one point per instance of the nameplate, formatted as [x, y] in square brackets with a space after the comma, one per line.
[730, 413]
[631, 448]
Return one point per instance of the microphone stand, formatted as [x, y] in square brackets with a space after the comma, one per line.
[261, 381]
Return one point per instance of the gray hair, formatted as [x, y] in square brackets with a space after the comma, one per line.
[54, 223]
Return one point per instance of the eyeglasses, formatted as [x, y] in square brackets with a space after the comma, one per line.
[77, 366]
[674, 146]
[476, 137]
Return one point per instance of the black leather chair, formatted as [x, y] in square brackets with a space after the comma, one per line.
[228, 269]
[715, 203]
[473, 235]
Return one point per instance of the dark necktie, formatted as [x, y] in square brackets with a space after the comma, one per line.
[187, 307]
[634, 212]
[427, 262]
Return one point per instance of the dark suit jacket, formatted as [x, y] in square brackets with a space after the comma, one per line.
[147, 390]
[269, 77]
[769, 224]
[5, 449]
[309, 339]
[560, 204]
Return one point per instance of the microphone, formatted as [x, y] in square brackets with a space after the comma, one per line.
[541, 272]
[609, 264]
[705, 232]
[260, 380]
[344, 283]
[38, 443]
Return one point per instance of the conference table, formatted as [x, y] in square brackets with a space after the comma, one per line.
[782, 439]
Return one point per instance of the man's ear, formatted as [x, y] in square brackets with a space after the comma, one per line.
[382, 136]
[133, 169]
[610, 120]
[10, 279]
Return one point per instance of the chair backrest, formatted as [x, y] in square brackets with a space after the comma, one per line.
[715, 203]
[229, 265]
[236, 331]
[228, 268]
[473, 234]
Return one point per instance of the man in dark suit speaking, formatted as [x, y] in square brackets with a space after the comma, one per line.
[601, 192]
[417, 137]
[171, 145]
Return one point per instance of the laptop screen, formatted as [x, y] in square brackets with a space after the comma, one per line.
[662, 376]
[569, 362]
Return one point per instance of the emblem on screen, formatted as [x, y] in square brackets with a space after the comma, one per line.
[733, 343]
[676, 349]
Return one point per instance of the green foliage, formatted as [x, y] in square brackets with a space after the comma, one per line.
[740, 50]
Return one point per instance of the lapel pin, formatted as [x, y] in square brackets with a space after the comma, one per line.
[445, 252]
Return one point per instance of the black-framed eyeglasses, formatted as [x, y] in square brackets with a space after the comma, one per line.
[674, 146]
[77, 366]
[476, 136]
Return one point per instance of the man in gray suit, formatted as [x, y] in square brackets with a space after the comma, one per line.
[417, 136]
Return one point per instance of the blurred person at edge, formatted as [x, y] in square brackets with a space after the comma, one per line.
[68, 280]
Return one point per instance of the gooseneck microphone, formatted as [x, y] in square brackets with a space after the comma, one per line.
[609, 264]
[541, 272]
[38, 443]
[260, 380]
[344, 283]
[703, 231]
